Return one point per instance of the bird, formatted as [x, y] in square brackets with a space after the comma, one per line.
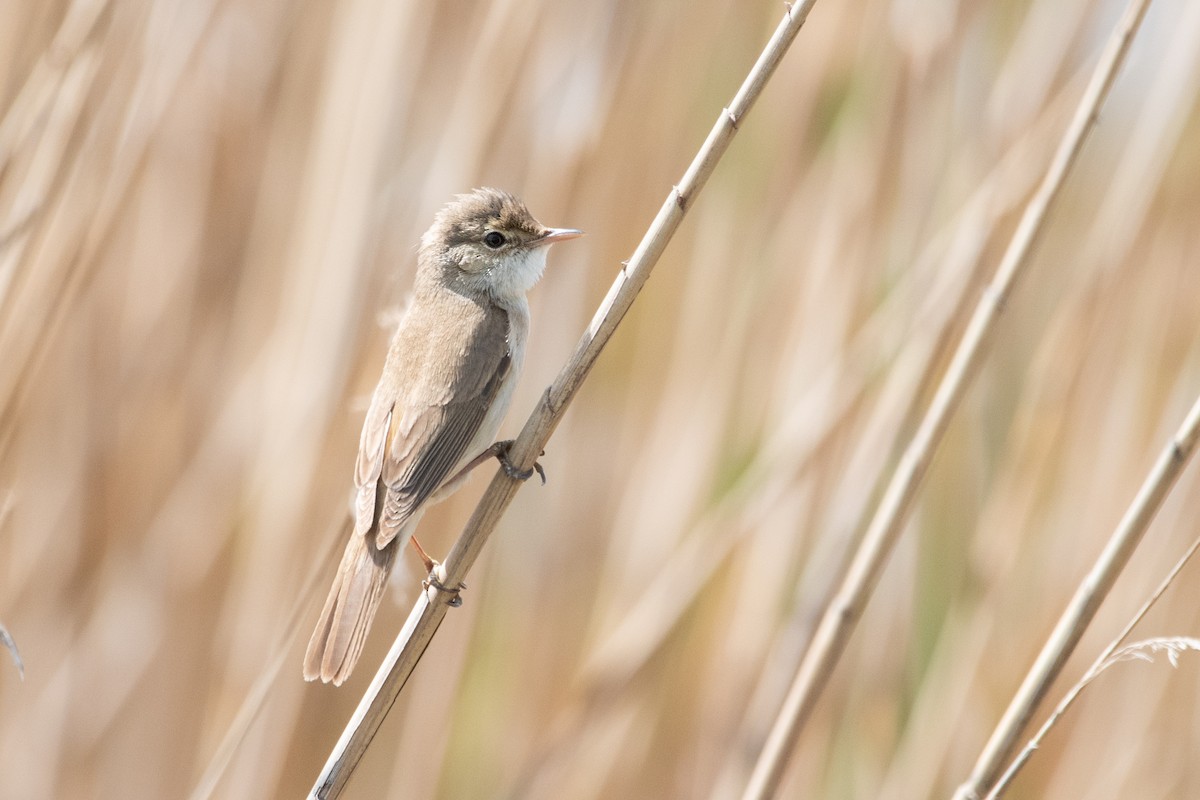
[446, 385]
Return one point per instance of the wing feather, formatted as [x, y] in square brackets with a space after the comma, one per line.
[418, 433]
[369, 466]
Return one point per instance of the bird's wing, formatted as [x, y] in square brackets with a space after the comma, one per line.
[417, 435]
[371, 446]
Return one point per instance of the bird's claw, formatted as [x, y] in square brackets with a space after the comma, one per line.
[511, 471]
[432, 580]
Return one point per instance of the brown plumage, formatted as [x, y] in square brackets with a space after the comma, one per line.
[446, 385]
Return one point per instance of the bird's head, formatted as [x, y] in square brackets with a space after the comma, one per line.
[487, 240]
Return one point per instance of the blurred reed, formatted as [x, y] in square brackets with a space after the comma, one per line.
[207, 214]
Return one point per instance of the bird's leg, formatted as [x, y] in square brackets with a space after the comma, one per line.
[499, 451]
[472, 464]
[431, 577]
[428, 562]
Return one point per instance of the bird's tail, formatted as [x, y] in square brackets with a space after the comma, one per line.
[357, 590]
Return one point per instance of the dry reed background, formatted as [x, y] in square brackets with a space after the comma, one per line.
[207, 213]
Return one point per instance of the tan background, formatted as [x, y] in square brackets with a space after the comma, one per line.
[208, 211]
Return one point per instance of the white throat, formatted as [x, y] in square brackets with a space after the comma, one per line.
[517, 274]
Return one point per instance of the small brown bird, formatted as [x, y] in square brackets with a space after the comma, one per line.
[446, 385]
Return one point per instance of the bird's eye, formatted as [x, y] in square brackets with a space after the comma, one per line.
[494, 239]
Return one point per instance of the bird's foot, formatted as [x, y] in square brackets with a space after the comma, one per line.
[433, 580]
[433, 569]
[500, 451]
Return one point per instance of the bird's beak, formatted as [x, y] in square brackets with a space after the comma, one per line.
[553, 235]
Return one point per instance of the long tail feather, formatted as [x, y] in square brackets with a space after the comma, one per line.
[353, 600]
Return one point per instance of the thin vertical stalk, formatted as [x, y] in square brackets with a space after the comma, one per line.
[1079, 613]
[843, 613]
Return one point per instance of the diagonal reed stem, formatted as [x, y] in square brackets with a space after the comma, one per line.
[1096, 586]
[1078, 614]
[846, 607]
[431, 606]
